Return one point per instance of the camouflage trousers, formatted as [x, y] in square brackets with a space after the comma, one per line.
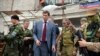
[67, 50]
[11, 51]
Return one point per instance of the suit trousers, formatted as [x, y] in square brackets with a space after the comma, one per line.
[42, 50]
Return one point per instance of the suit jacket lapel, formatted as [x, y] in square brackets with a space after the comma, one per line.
[47, 26]
[41, 26]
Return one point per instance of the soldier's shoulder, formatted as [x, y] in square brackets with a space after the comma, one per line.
[19, 26]
[63, 29]
[28, 30]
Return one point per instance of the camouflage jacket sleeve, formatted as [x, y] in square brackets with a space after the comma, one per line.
[93, 46]
[15, 32]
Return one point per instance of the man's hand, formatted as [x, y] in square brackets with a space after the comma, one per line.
[82, 43]
[53, 48]
[38, 42]
[27, 38]
[74, 53]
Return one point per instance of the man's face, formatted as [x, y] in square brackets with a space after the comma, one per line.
[65, 23]
[45, 16]
[13, 21]
[26, 24]
[82, 22]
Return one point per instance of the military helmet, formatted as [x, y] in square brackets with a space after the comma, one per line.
[84, 19]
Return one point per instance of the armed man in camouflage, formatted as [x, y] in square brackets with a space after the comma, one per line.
[90, 32]
[14, 39]
[95, 47]
[28, 41]
[67, 38]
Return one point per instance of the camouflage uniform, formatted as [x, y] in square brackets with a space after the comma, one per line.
[14, 41]
[90, 33]
[67, 48]
[27, 33]
[90, 48]
[94, 46]
[91, 29]
[28, 44]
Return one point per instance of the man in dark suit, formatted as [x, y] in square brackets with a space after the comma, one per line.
[44, 35]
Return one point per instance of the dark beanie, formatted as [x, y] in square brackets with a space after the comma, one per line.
[15, 17]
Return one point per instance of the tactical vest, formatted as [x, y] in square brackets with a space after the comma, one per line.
[67, 36]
